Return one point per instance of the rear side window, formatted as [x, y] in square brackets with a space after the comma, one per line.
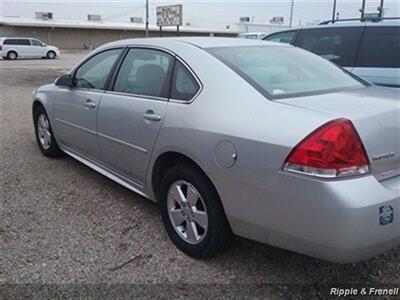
[10, 42]
[339, 45]
[380, 47]
[282, 37]
[184, 85]
[24, 42]
[145, 72]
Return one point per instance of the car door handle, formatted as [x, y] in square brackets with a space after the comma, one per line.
[151, 116]
[89, 103]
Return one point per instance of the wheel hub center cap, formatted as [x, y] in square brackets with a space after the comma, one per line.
[187, 211]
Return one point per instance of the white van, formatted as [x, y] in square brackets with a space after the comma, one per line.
[14, 48]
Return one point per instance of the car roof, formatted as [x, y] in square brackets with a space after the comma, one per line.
[344, 23]
[17, 37]
[200, 42]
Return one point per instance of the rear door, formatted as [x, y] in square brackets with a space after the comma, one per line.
[337, 44]
[131, 114]
[379, 56]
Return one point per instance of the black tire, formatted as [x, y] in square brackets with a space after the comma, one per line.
[219, 234]
[12, 55]
[51, 55]
[52, 150]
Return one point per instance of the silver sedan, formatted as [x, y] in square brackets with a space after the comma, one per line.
[235, 137]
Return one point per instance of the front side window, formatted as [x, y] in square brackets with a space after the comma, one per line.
[283, 37]
[380, 48]
[184, 86]
[339, 45]
[93, 73]
[282, 71]
[37, 43]
[144, 72]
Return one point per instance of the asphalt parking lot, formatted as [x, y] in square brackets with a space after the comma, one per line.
[61, 222]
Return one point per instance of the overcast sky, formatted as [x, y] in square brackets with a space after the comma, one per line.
[198, 13]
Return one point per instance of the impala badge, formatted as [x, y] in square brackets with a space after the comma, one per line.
[383, 156]
[385, 215]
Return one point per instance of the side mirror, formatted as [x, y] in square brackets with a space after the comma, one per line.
[64, 80]
[44, 45]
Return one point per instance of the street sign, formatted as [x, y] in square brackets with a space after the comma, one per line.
[170, 15]
[371, 17]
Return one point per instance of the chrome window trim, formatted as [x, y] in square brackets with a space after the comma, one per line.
[174, 55]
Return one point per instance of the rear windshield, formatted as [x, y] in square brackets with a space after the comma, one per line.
[281, 72]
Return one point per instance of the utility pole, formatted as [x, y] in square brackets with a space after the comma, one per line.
[147, 18]
[291, 13]
[334, 11]
[362, 10]
[380, 9]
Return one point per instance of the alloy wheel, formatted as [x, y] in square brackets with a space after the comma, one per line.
[44, 134]
[187, 212]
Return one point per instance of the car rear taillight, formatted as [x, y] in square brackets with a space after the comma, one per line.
[333, 150]
[1, 48]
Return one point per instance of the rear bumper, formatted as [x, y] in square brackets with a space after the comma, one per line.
[333, 220]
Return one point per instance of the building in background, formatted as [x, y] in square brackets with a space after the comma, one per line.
[90, 33]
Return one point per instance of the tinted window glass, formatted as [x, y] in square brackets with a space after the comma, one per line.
[283, 37]
[339, 45]
[24, 42]
[280, 72]
[36, 43]
[144, 72]
[184, 85]
[10, 42]
[93, 73]
[380, 47]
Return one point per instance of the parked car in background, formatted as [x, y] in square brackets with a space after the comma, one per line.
[252, 35]
[14, 48]
[263, 140]
[368, 49]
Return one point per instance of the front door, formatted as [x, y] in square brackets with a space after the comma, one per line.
[76, 108]
[131, 115]
[37, 49]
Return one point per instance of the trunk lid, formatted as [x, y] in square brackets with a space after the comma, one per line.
[375, 113]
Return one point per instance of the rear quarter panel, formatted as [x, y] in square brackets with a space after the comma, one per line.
[229, 109]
